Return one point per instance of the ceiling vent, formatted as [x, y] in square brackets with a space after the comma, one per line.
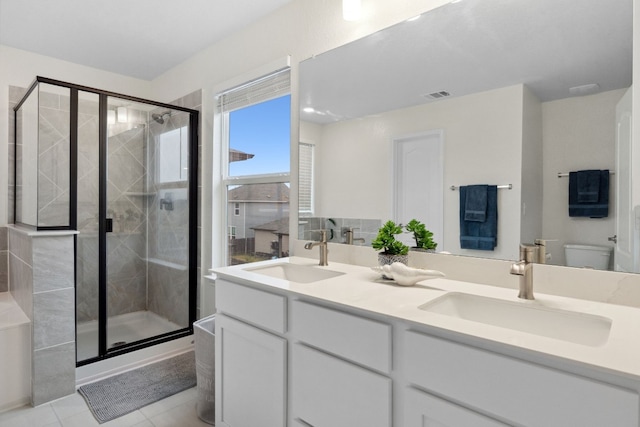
[584, 89]
[437, 95]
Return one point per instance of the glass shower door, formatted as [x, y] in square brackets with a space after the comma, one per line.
[147, 222]
[87, 240]
[135, 217]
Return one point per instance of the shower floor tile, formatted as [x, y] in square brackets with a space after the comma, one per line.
[125, 328]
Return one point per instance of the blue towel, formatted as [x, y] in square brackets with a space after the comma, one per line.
[475, 207]
[588, 186]
[475, 234]
[596, 209]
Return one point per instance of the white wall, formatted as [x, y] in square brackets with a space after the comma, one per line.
[354, 167]
[532, 185]
[578, 133]
[301, 29]
[298, 30]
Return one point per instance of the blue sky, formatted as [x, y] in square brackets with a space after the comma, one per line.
[263, 130]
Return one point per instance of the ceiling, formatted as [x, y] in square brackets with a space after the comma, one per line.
[137, 38]
[473, 46]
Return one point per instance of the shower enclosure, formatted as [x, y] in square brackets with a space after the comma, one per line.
[122, 171]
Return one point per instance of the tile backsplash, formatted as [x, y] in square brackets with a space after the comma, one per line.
[367, 229]
[4, 260]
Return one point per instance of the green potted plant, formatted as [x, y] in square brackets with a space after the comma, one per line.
[422, 236]
[392, 250]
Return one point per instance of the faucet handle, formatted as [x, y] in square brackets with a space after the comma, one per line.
[543, 242]
[542, 250]
[318, 235]
[528, 252]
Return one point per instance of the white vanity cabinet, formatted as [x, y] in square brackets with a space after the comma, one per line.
[251, 357]
[513, 390]
[305, 356]
[339, 368]
[423, 409]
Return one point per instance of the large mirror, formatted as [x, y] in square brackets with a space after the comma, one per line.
[516, 92]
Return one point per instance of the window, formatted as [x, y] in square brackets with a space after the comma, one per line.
[173, 155]
[256, 122]
[305, 179]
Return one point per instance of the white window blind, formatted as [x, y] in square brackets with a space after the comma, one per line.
[259, 90]
[305, 178]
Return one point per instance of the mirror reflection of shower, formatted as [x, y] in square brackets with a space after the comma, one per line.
[160, 117]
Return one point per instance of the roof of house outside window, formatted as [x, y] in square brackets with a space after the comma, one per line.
[237, 155]
[280, 226]
[271, 192]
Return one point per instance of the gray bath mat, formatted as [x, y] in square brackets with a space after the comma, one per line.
[121, 394]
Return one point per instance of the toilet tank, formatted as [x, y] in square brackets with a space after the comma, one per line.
[590, 256]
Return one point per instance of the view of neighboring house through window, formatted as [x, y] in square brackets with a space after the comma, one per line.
[256, 130]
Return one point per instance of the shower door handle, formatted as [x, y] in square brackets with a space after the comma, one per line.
[109, 225]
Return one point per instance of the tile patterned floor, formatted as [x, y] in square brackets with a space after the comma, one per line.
[178, 410]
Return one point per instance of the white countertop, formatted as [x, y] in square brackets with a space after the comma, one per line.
[364, 289]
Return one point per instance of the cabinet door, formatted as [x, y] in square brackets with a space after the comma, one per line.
[250, 375]
[330, 392]
[424, 410]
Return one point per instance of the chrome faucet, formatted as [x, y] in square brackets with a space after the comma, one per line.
[322, 244]
[348, 235]
[529, 254]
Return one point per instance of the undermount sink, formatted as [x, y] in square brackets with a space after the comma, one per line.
[295, 272]
[571, 326]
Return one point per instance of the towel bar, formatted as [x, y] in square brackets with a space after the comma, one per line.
[566, 174]
[505, 186]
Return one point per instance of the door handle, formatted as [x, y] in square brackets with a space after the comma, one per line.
[109, 225]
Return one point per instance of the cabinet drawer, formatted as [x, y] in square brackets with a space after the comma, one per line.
[355, 338]
[330, 392]
[422, 409]
[264, 309]
[518, 391]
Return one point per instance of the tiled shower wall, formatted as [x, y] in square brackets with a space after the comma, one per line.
[53, 158]
[15, 95]
[41, 282]
[168, 230]
[52, 161]
[4, 260]
[126, 248]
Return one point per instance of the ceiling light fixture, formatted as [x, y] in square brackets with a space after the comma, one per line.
[308, 109]
[351, 10]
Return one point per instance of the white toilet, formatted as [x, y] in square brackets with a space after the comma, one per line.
[589, 256]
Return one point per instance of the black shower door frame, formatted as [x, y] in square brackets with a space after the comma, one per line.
[103, 351]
